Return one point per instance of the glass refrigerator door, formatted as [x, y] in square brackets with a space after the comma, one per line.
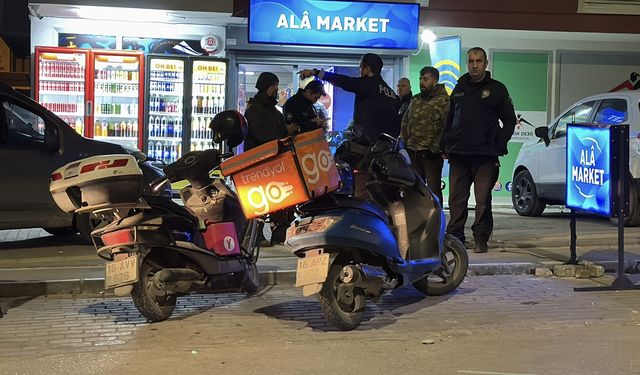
[166, 91]
[208, 98]
[61, 81]
[116, 93]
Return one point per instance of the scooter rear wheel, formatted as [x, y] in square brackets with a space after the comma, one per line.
[152, 307]
[342, 306]
[450, 275]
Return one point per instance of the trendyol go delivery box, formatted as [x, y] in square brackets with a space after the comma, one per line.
[283, 173]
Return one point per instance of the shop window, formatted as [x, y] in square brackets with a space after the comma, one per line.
[612, 111]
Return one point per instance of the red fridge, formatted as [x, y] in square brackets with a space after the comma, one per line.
[99, 92]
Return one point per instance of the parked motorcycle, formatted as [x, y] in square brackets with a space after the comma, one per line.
[351, 249]
[158, 250]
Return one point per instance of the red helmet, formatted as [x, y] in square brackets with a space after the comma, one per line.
[230, 126]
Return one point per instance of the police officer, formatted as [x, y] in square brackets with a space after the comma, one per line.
[376, 104]
[299, 108]
[422, 126]
[473, 140]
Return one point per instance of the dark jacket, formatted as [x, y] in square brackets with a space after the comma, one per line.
[472, 126]
[375, 107]
[404, 103]
[265, 122]
[299, 110]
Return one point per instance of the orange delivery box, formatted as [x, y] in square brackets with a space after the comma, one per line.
[283, 173]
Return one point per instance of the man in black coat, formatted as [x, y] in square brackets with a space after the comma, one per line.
[265, 122]
[299, 109]
[376, 105]
[473, 139]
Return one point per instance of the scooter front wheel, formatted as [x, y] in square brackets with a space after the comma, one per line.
[155, 308]
[445, 279]
[342, 305]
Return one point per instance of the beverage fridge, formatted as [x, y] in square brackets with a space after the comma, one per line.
[184, 94]
[99, 93]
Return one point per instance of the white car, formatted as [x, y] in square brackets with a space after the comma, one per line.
[539, 171]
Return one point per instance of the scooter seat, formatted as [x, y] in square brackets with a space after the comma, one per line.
[330, 201]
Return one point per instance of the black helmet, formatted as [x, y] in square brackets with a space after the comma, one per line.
[230, 126]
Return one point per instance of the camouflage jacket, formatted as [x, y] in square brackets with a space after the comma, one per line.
[423, 121]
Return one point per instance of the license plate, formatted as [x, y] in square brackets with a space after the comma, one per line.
[121, 272]
[312, 270]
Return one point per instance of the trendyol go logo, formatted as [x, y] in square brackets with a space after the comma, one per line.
[313, 164]
[263, 197]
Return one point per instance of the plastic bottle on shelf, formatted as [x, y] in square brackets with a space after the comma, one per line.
[78, 126]
[173, 153]
[170, 128]
[163, 127]
[134, 129]
[158, 151]
[165, 152]
[179, 149]
[151, 153]
[123, 129]
[111, 129]
[194, 104]
[129, 132]
[105, 129]
[151, 128]
[178, 128]
[205, 105]
[194, 128]
[156, 126]
[97, 129]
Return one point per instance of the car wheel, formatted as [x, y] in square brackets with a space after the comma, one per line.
[633, 220]
[525, 197]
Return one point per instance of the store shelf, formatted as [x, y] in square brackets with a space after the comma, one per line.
[60, 114]
[166, 93]
[204, 114]
[121, 95]
[169, 114]
[166, 80]
[67, 93]
[116, 81]
[165, 139]
[41, 78]
[111, 138]
[103, 115]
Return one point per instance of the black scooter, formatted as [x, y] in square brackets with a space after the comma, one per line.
[351, 249]
[158, 250]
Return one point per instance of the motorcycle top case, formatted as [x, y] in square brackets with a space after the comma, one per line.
[283, 173]
[97, 182]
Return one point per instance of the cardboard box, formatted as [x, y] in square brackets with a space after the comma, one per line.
[283, 173]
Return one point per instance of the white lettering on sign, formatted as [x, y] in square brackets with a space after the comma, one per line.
[335, 23]
[260, 196]
[585, 172]
[313, 164]
[269, 171]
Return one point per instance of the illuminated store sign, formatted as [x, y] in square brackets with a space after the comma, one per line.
[334, 23]
[593, 157]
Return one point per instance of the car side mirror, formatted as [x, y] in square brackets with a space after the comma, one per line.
[51, 139]
[543, 132]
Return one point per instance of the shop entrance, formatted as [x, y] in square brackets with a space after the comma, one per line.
[337, 106]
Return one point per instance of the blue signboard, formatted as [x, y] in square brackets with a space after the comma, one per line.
[334, 23]
[594, 155]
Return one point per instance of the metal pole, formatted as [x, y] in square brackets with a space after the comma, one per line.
[572, 247]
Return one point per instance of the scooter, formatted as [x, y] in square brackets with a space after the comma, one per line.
[350, 249]
[156, 249]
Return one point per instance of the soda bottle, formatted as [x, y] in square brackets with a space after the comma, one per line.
[123, 129]
[152, 150]
[163, 127]
[158, 152]
[194, 128]
[111, 129]
[170, 127]
[165, 152]
[178, 128]
[173, 154]
[134, 128]
[104, 131]
[129, 129]
[79, 126]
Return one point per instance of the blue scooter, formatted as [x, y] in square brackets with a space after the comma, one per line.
[351, 249]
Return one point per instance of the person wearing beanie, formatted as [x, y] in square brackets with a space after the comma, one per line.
[265, 122]
[376, 105]
[299, 108]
